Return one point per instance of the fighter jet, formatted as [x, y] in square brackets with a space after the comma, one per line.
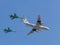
[35, 27]
[13, 16]
[6, 30]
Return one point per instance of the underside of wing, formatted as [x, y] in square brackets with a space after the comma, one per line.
[31, 31]
[39, 21]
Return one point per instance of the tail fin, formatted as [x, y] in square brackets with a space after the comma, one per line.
[24, 19]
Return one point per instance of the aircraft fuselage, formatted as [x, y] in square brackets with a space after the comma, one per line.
[41, 27]
[38, 27]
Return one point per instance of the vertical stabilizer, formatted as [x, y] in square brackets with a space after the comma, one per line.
[24, 19]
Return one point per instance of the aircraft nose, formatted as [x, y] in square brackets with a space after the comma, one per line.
[47, 28]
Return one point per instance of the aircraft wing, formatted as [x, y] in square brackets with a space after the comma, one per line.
[39, 21]
[31, 31]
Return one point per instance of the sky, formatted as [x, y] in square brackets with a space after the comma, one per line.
[49, 10]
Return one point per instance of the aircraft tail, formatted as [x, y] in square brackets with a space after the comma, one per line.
[24, 19]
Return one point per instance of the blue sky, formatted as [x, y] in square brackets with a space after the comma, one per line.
[49, 11]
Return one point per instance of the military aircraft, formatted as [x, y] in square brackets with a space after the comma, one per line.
[6, 30]
[35, 27]
[13, 16]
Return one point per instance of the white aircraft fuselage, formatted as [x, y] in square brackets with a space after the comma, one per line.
[38, 27]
